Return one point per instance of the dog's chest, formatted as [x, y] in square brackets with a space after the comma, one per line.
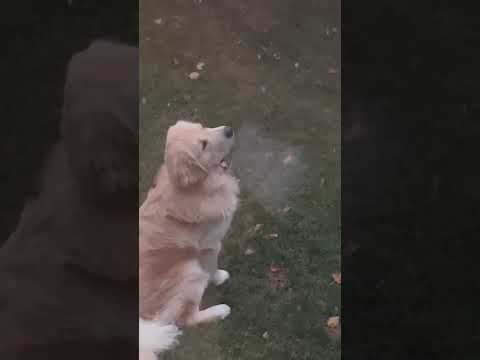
[214, 233]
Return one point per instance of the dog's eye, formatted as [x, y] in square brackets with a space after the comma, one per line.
[204, 144]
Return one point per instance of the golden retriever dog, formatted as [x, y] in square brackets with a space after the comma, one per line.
[182, 222]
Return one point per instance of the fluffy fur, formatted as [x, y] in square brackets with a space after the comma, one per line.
[155, 338]
[182, 222]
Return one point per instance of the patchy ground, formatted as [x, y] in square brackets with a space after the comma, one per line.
[270, 69]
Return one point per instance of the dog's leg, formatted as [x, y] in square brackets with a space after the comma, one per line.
[220, 276]
[211, 314]
[189, 313]
[210, 262]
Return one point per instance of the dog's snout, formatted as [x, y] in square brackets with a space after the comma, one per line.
[228, 131]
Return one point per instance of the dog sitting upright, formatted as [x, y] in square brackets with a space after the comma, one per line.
[182, 222]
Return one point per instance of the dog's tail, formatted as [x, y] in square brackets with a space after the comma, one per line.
[154, 338]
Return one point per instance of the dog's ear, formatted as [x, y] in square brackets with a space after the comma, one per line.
[183, 167]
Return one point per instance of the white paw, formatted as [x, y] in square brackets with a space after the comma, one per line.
[222, 311]
[220, 277]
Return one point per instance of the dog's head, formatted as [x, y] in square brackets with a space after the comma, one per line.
[193, 152]
[100, 122]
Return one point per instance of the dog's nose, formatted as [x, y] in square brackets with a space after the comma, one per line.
[228, 131]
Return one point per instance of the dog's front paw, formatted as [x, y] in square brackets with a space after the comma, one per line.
[220, 277]
[222, 311]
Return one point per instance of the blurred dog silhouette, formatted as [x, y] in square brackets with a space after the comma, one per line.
[68, 275]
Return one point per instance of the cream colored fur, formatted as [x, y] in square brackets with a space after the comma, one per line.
[182, 222]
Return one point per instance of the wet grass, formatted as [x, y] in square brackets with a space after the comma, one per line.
[269, 68]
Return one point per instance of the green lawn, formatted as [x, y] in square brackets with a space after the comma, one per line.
[272, 72]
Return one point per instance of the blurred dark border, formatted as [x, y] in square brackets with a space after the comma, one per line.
[410, 180]
[47, 280]
[39, 39]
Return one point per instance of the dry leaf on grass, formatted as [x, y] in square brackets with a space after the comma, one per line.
[274, 268]
[257, 228]
[286, 209]
[337, 278]
[288, 159]
[276, 278]
[333, 322]
[333, 332]
[271, 236]
[249, 251]
[194, 75]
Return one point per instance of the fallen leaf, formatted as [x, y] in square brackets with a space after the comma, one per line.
[253, 231]
[286, 209]
[194, 75]
[271, 236]
[333, 332]
[337, 278]
[249, 251]
[158, 21]
[333, 321]
[288, 159]
[274, 268]
[276, 278]
[200, 66]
